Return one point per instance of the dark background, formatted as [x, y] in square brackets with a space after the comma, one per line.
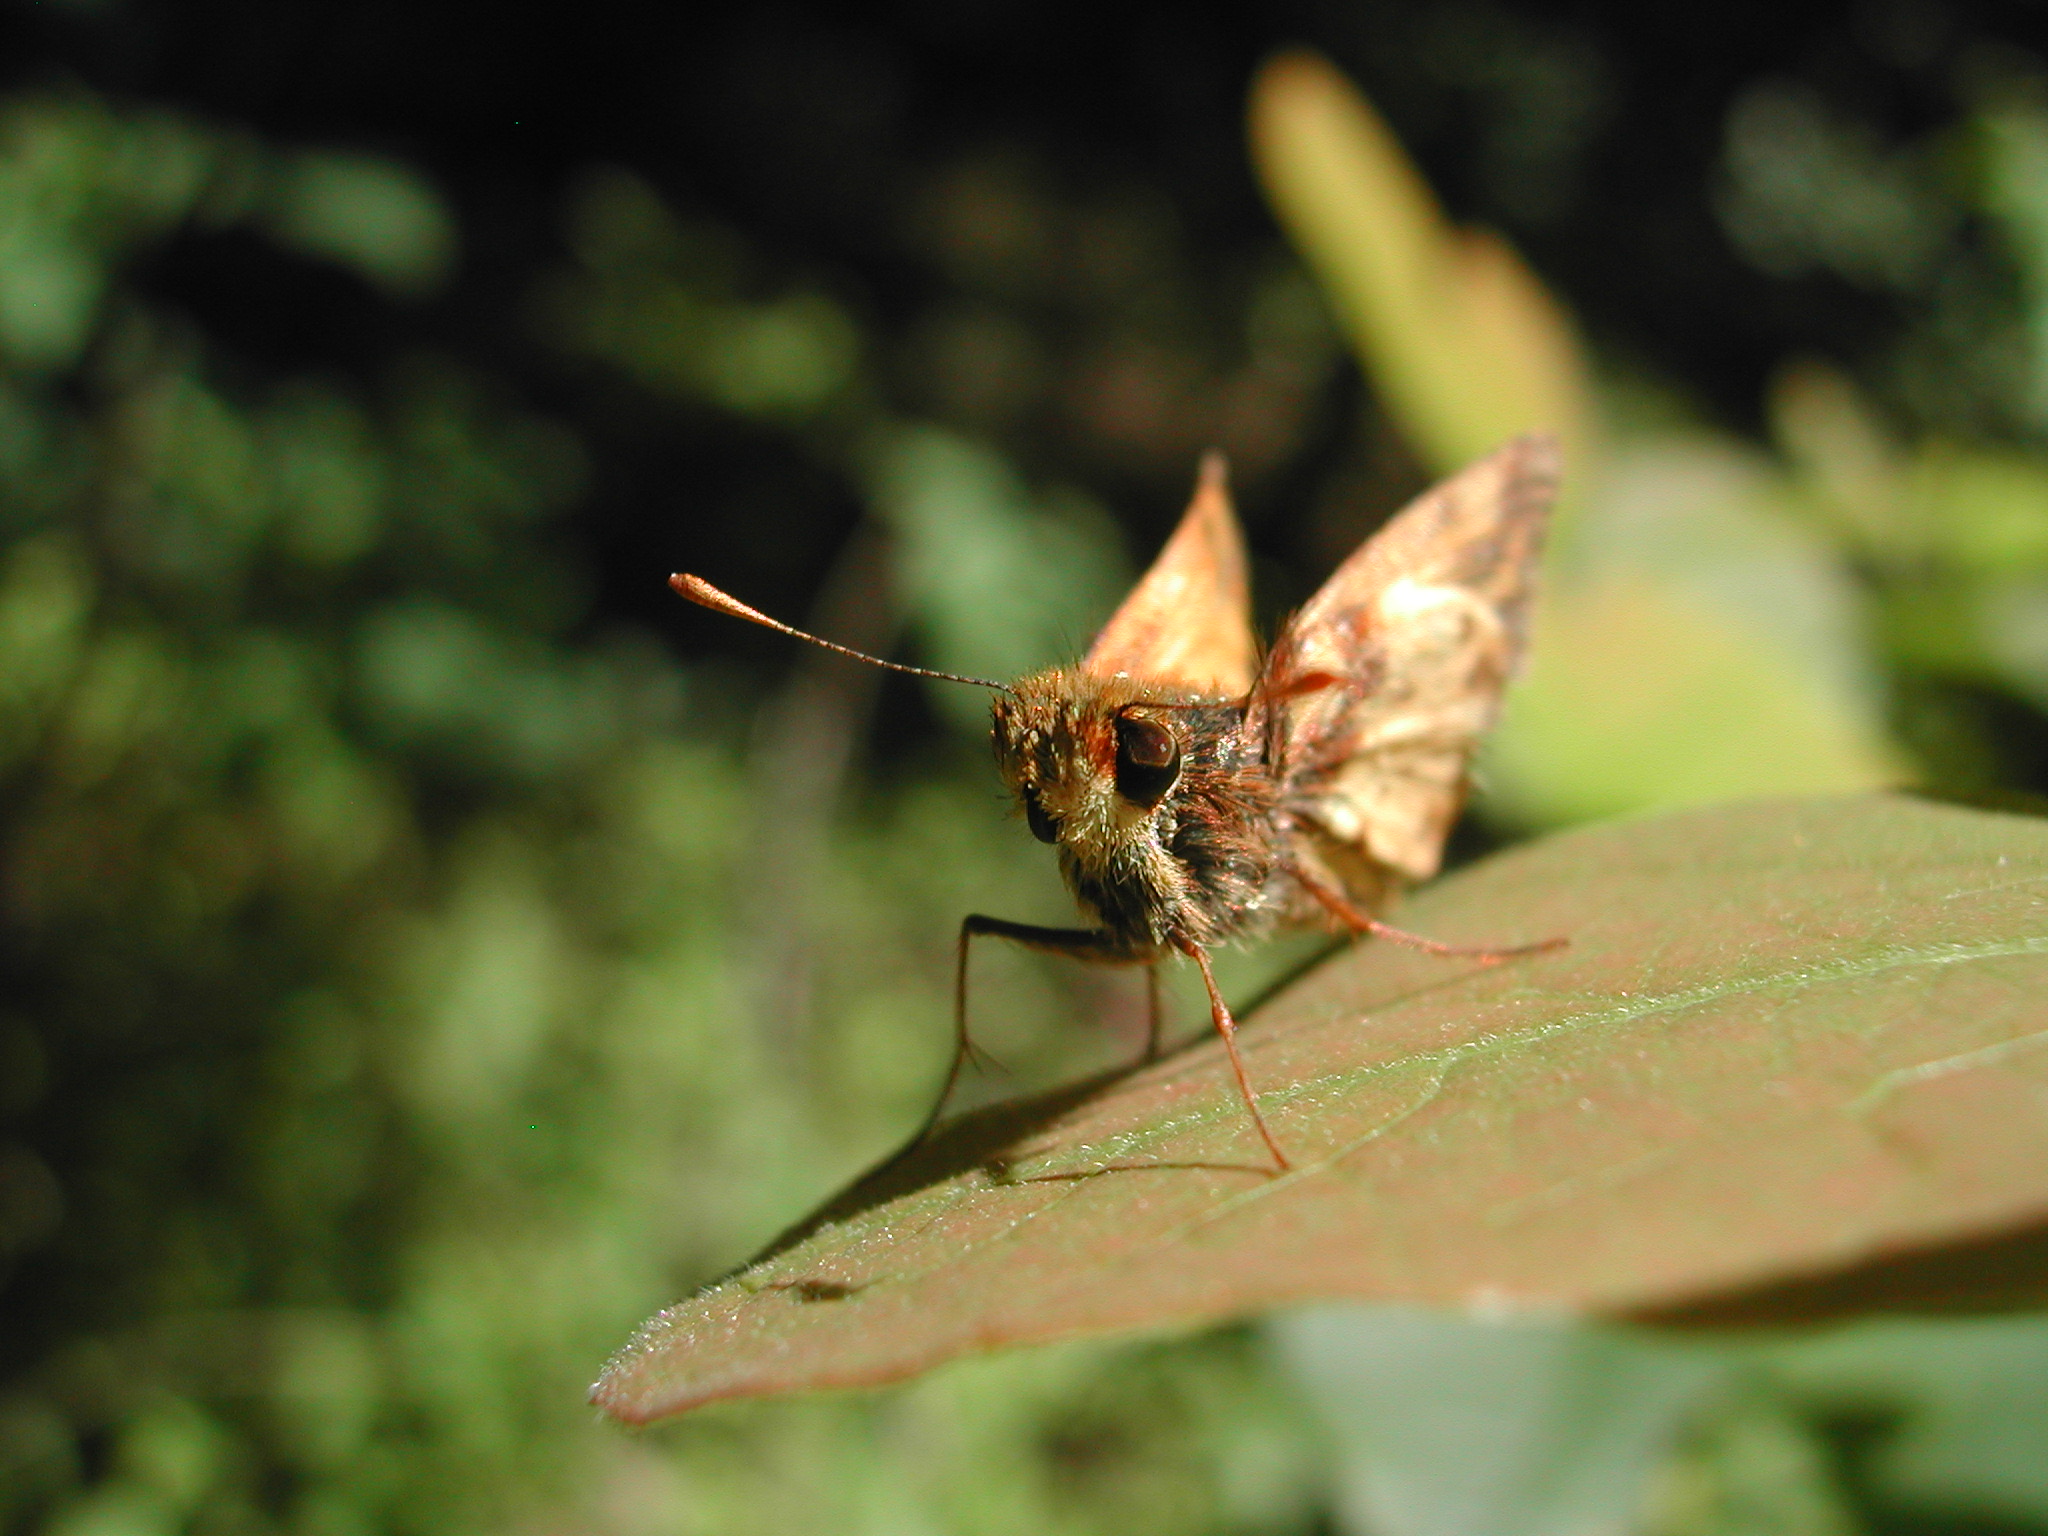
[1591, 134]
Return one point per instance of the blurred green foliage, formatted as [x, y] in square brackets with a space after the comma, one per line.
[390, 1018]
[412, 985]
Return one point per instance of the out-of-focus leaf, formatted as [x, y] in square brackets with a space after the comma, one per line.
[45, 595]
[2013, 626]
[999, 582]
[1791, 1063]
[1956, 537]
[1449, 1428]
[1804, 189]
[1958, 1409]
[661, 299]
[1697, 643]
[1843, 460]
[1985, 511]
[1974, 512]
[75, 180]
[374, 216]
[1467, 345]
[1691, 709]
[2014, 143]
[1748, 1462]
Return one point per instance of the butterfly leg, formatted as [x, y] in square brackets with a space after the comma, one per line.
[1153, 1014]
[1361, 921]
[1079, 943]
[1219, 1014]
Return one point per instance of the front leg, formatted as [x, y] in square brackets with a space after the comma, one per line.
[1091, 944]
[1226, 1026]
[1101, 947]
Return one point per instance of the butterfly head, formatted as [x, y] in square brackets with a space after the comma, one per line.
[1098, 771]
[1088, 762]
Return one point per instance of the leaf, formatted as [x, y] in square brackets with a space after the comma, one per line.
[1695, 645]
[1441, 1428]
[1466, 343]
[1965, 1405]
[1794, 1062]
[376, 216]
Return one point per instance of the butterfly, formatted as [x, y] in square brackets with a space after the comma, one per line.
[1198, 793]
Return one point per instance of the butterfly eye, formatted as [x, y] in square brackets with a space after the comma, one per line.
[1043, 827]
[1147, 760]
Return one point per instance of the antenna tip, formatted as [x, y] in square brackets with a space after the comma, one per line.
[1215, 471]
[701, 592]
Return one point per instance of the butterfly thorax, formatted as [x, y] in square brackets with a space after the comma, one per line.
[1160, 805]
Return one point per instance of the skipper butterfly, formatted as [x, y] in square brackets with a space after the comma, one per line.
[1197, 793]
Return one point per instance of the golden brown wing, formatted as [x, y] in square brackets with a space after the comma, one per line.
[1379, 689]
[1189, 620]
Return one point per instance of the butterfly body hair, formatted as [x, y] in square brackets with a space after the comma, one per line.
[1193, 865]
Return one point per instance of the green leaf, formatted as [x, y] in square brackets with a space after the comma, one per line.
[1794, 1062]
[373, 215]
[1960, 1408]
[1543, 1427]
[1464, 342]
[1693, 645]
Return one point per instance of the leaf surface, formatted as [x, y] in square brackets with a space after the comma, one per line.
[1793, 1063]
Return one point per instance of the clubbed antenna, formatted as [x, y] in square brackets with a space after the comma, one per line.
[701, 592]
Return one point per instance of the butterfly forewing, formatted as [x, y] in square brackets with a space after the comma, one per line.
[1379, 689]
[1188, 622]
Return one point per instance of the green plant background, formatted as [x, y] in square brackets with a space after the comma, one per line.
[421, 967]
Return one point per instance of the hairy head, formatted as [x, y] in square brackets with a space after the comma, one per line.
[1145, 798]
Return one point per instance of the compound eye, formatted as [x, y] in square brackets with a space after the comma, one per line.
[1043, 827]
[1147, 760]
